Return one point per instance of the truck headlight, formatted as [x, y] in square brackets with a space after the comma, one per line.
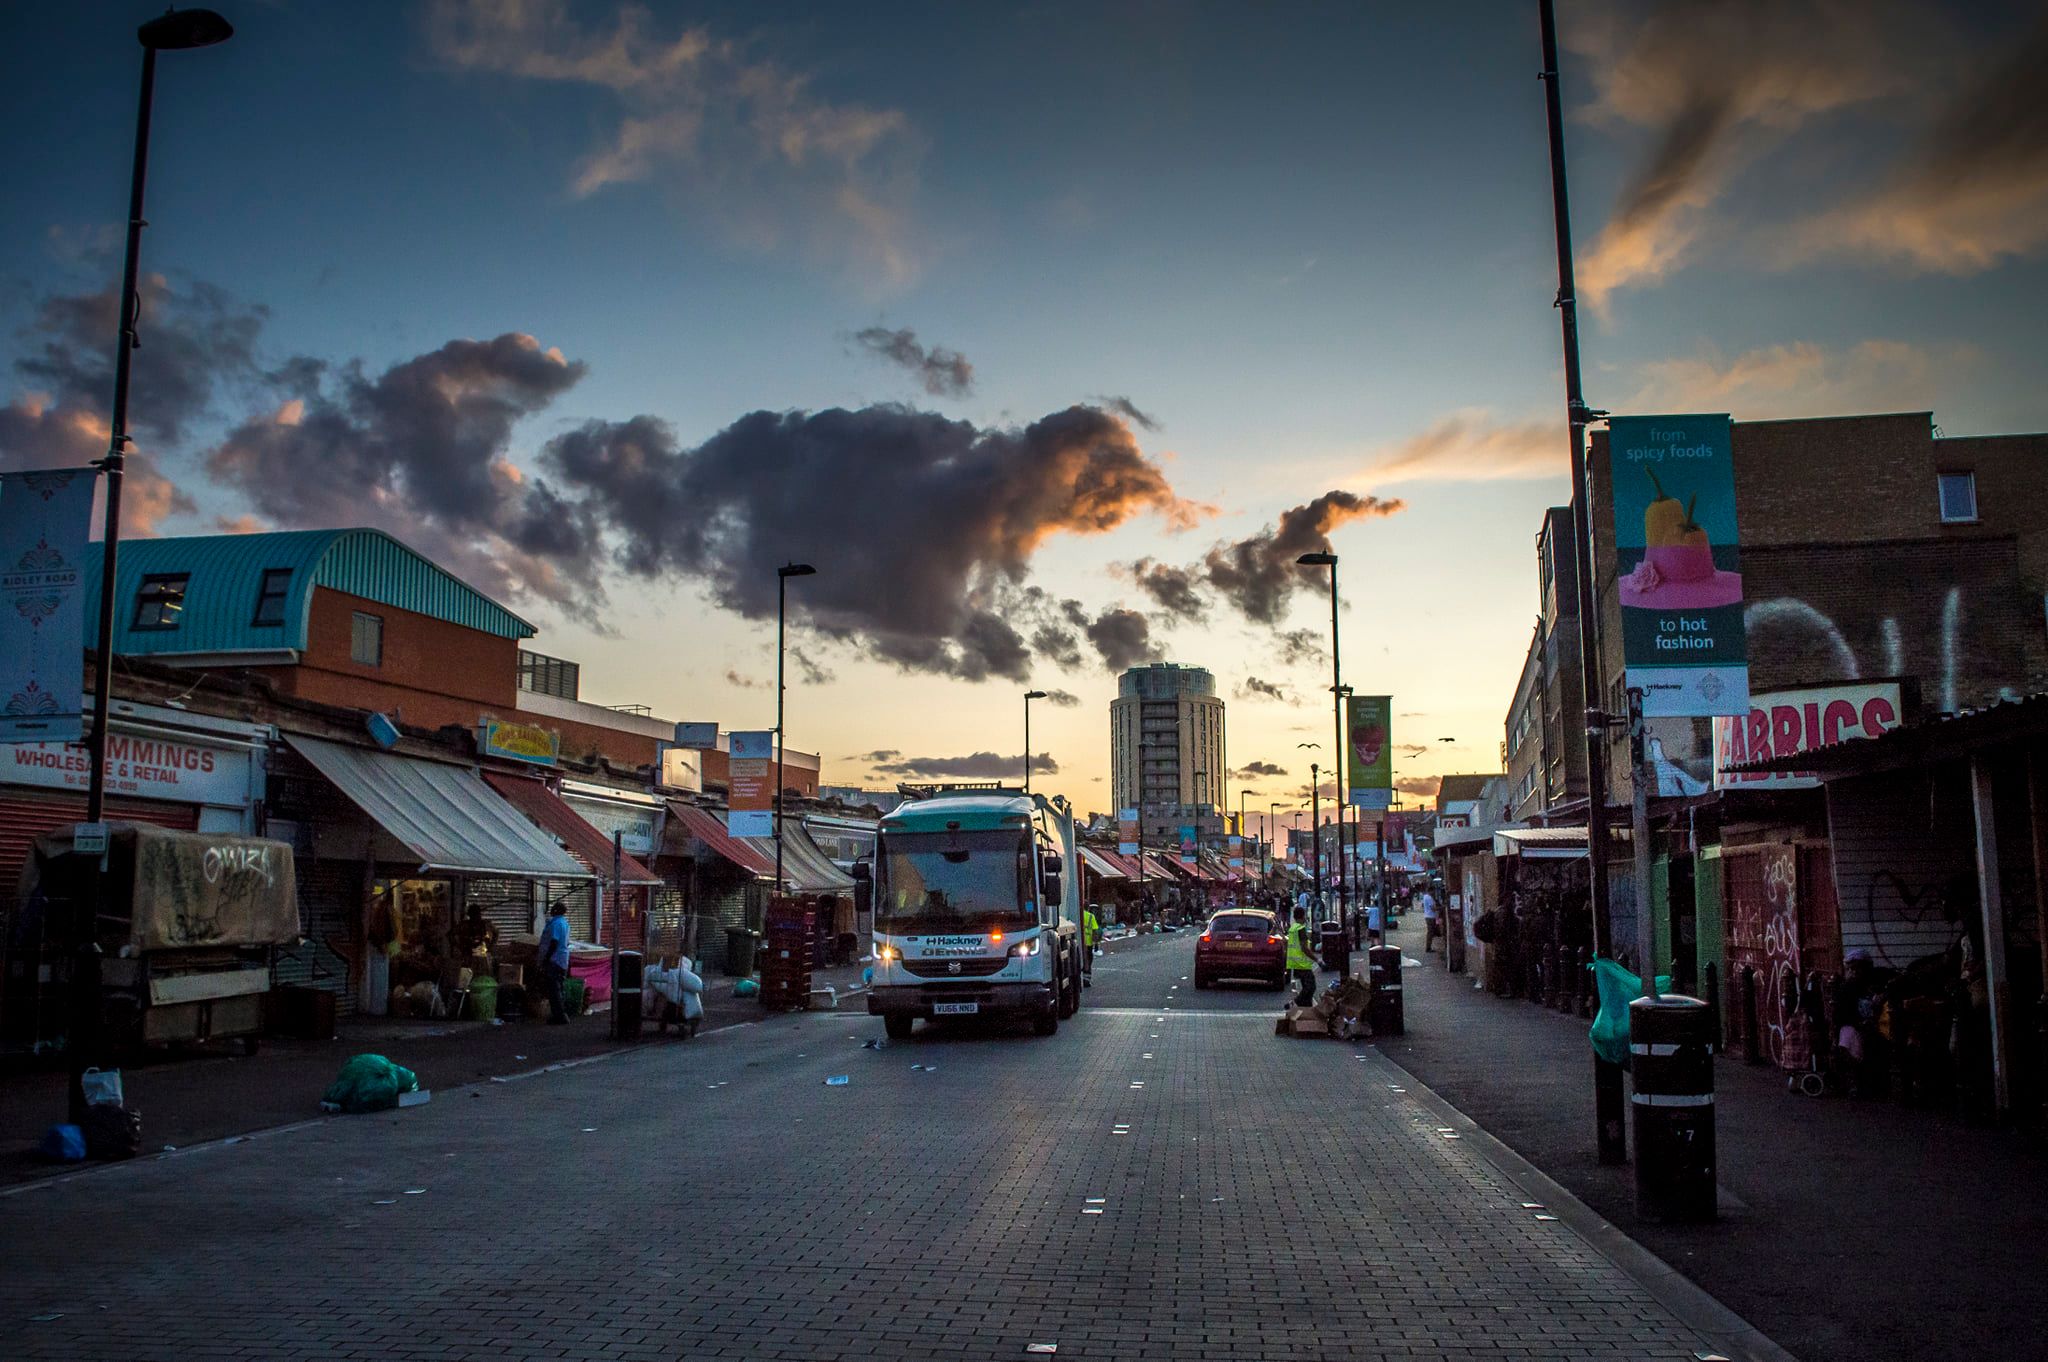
[887, 953]
[1024, 949]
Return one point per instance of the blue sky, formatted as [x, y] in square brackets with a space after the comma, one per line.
[1310, 241]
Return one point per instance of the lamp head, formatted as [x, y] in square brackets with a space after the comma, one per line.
[1317, 560]
[795, 570]
[1034, 695]
[177, 29]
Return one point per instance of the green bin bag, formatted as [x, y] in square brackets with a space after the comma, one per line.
[1618, 988]
[483, 998]
[573, 997]
[369, 1083]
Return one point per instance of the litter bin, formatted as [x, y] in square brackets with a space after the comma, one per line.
[1383, 969]
[740, 945]
[1336, 948]
[1671, 1059]
[626, 1000]
[483, 998]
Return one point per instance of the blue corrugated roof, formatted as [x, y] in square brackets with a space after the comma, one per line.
[226, 574]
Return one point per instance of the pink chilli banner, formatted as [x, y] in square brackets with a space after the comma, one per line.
[44, 520]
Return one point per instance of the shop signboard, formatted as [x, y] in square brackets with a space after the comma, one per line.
[751, 778]
[1678, 558]
[1236, 852]
[701, 736]
[1784, 722]
[44, 519]
[634, 823]
[520, 742]
[1369, 750]
[1127, 832]
[138, 764]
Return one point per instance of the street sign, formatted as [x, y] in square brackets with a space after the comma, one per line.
[89, 839]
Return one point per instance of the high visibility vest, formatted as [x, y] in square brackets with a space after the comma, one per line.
[1090, 927]
[1298, 954]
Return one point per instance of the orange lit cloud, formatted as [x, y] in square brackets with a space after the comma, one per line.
[1802, 379]
[1470, 446]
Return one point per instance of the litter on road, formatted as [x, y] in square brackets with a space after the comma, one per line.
[838, 1080]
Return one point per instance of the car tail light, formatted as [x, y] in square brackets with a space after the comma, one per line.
[1272, 941]
[1205, 936]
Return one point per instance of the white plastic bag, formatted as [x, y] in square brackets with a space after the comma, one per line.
[102, 1087]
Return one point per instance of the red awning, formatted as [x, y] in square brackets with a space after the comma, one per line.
[703, 825]
[546, 810]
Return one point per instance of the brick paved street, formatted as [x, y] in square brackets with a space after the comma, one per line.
[1272, 1199]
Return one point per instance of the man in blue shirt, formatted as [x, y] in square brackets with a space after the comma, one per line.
[554, 961]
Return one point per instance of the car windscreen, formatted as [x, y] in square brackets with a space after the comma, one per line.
[1242, 922]
[953, 881]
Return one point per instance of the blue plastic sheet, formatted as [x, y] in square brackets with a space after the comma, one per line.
[1617, 988]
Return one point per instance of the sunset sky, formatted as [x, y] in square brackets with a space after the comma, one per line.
[1050, 333]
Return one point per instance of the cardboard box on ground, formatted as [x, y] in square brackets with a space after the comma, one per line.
[1340, 1011]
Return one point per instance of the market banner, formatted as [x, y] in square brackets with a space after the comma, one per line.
[1236, 851]
[752, 776]
[1678, 559]
[1127, 832]
[45, 519]
[1369, 752]
[1187, 844]
[520, 742]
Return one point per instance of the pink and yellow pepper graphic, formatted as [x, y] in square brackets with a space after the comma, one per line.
[1677, 571]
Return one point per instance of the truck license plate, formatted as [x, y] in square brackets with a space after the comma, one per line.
[954, 1009]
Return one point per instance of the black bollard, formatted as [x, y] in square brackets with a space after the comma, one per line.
[1609, 1113]
[1671, 1058]
[1383, 971]
[1752, 1045]
[1713, 988]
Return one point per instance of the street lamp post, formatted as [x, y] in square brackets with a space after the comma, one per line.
[1315, 832]
[173, 31]
[782, 576]
[1029, 696]
[1337, 693]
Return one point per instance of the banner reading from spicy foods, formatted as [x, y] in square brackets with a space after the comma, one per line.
[1677, 555]
[1369, 751]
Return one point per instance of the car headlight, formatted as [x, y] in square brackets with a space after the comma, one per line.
[1025, 949]
[887, 953]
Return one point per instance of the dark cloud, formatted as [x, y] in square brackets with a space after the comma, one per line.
[1258, 574]
[921, 527]
[1123, 639]
[1177, 591]
[1411, 749]
[1064, 699]
[812, 672]
[1299, 647]
[1257, 769]
[1252, 687]
[733, 678]
[1124, 407]
[196, 341]
[939, 371]
[980, 765]
[879, 754]
[1418, 785]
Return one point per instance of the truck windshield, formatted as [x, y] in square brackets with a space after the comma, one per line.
[953, 882]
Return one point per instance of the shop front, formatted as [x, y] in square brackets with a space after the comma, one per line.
[419, 882]
[645, 918]
[726, 883]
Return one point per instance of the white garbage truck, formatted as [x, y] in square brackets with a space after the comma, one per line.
[976, 909]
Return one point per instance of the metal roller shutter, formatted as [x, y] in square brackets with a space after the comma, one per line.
[330, 911]
[25, 817]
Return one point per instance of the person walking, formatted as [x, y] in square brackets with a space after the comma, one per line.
[1301, 960]
[1432, 925]
[554, 961]
[1091, 932]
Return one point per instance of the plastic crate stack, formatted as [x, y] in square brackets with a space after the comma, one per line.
[786, 959]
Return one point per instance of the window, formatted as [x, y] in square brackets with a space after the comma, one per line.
[270, 596]
[161, 600]
[366, 639]
[1958, 497]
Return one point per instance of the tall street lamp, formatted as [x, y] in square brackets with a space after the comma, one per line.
[174, 31]
[782, 576]
[1329, 560]
[1315, 780]
[1029, 696]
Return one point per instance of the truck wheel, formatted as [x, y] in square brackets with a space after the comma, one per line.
[1047, 1021]
[898, 1027]
[1070, 993]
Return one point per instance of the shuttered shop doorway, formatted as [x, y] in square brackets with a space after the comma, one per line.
[25, 817]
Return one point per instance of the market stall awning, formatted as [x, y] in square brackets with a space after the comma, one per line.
[547, 810]
[805, 866]
[703, 825]
[1556, 844]
[443, 814]
[1100, 864]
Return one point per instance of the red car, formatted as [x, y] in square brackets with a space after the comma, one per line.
[1242, 943]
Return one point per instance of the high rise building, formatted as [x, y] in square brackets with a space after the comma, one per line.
[1166, 748]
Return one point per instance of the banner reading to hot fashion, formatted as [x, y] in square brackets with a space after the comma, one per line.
[1369, 750]
[44, 521]
[1678, 558]
[751, 779]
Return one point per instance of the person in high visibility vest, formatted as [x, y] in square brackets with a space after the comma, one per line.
[1301, 961]
[1091, 932]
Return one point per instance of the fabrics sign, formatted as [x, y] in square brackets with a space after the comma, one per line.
[1785, 722]
[44, 520]
[752, 800]
[1678, 558]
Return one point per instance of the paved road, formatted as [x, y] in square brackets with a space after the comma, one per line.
[1271, 1199]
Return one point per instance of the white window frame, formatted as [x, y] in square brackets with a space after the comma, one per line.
[1969, 480]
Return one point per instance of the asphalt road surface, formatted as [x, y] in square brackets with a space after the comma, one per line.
[1165, 1178]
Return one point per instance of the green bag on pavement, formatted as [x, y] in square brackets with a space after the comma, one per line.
[1618, 988]
[369, 1083]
